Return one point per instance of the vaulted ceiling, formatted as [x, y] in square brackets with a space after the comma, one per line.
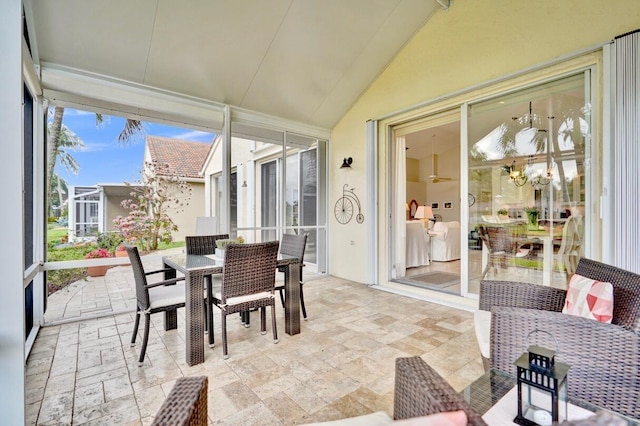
[303, 60]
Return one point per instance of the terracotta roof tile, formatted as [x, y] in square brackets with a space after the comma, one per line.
[185, 158]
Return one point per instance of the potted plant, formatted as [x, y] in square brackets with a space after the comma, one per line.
[503, 213]
[98, 271]
[221, 245]
[532, 214]
[121, 252]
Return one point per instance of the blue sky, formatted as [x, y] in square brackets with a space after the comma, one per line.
[103, 159]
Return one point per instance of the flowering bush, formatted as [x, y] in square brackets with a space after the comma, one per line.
[159, 193]
[98, 254]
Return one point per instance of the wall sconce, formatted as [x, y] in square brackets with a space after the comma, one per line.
[346, 163]
[244, 184]
[517, 177]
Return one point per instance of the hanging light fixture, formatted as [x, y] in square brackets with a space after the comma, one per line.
[517, 176]
[541, 179]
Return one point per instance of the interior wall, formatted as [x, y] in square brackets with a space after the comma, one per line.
[445, 191]
[469, 44]
[416, 187]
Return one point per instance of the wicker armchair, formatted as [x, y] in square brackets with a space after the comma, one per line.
[206, 244]
[419, 391]
[293, 245]
[163, 296]
[248, 282]
[604, 358]
[186, 404]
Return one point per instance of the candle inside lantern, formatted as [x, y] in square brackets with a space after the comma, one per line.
[542, 417]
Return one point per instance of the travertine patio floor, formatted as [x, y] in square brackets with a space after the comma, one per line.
[341, 365]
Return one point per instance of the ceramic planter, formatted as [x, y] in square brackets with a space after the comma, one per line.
[97, 271]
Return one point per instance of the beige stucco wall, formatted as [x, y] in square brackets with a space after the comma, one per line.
[186, 219]
[113, 209]
[472, 43]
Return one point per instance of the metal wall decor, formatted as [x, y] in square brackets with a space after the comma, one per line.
[344, 206]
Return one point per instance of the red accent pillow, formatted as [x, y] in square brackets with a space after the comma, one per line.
[589, 298]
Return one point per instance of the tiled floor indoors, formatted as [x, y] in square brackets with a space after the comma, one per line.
[341, 365]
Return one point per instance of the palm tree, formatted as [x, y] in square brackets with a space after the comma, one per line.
[131, 129]
[57, 189]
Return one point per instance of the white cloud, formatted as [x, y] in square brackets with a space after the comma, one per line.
[194, 135]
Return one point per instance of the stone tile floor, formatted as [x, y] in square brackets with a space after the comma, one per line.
[341, 365]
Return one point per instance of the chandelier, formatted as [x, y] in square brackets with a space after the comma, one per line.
[517, 176]
[541, 179]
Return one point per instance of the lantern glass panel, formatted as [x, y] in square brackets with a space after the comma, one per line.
[537, 404]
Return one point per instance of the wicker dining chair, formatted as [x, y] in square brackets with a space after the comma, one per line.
[293, 245]
[248, 282]
[186, 404]
[202, 245]
[163, 296]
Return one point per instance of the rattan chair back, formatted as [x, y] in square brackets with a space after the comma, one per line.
[626, 291]
[142, 292]
[203, 244]
[294, 245]
[249, 269]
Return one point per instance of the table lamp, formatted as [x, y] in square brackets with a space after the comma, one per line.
[424, 212]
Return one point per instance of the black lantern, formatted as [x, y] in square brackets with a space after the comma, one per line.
[542, 387]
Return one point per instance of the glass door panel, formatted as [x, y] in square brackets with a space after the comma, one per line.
[279, 186]
[255, 159]
[527, 178]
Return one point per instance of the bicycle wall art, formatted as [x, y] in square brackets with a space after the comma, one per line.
[344, 206]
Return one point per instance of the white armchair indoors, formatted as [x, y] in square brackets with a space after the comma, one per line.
[445, 241]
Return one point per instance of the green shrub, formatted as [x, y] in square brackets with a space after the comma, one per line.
[109, 241]
[223, 243]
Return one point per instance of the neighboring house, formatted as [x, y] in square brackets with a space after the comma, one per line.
[92, 209]
[185, 159]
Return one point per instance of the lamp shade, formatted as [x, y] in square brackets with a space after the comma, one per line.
[424, 212]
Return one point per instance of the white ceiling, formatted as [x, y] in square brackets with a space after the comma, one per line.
[303, 60]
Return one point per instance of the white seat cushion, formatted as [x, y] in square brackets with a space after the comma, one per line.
[482, 322]
[243, 299]
[162, 296]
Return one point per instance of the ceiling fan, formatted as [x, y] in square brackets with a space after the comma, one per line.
[434, 170]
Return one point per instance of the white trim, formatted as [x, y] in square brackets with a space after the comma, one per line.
[12, 302]
[244, 116]
[72, 87]
[372, 201]
[607, 198]
[464, 204]
[29, 72]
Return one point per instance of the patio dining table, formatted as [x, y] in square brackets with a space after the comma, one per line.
[195, 268]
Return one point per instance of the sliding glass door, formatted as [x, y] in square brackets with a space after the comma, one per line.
[528, 183]
[278, 185]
